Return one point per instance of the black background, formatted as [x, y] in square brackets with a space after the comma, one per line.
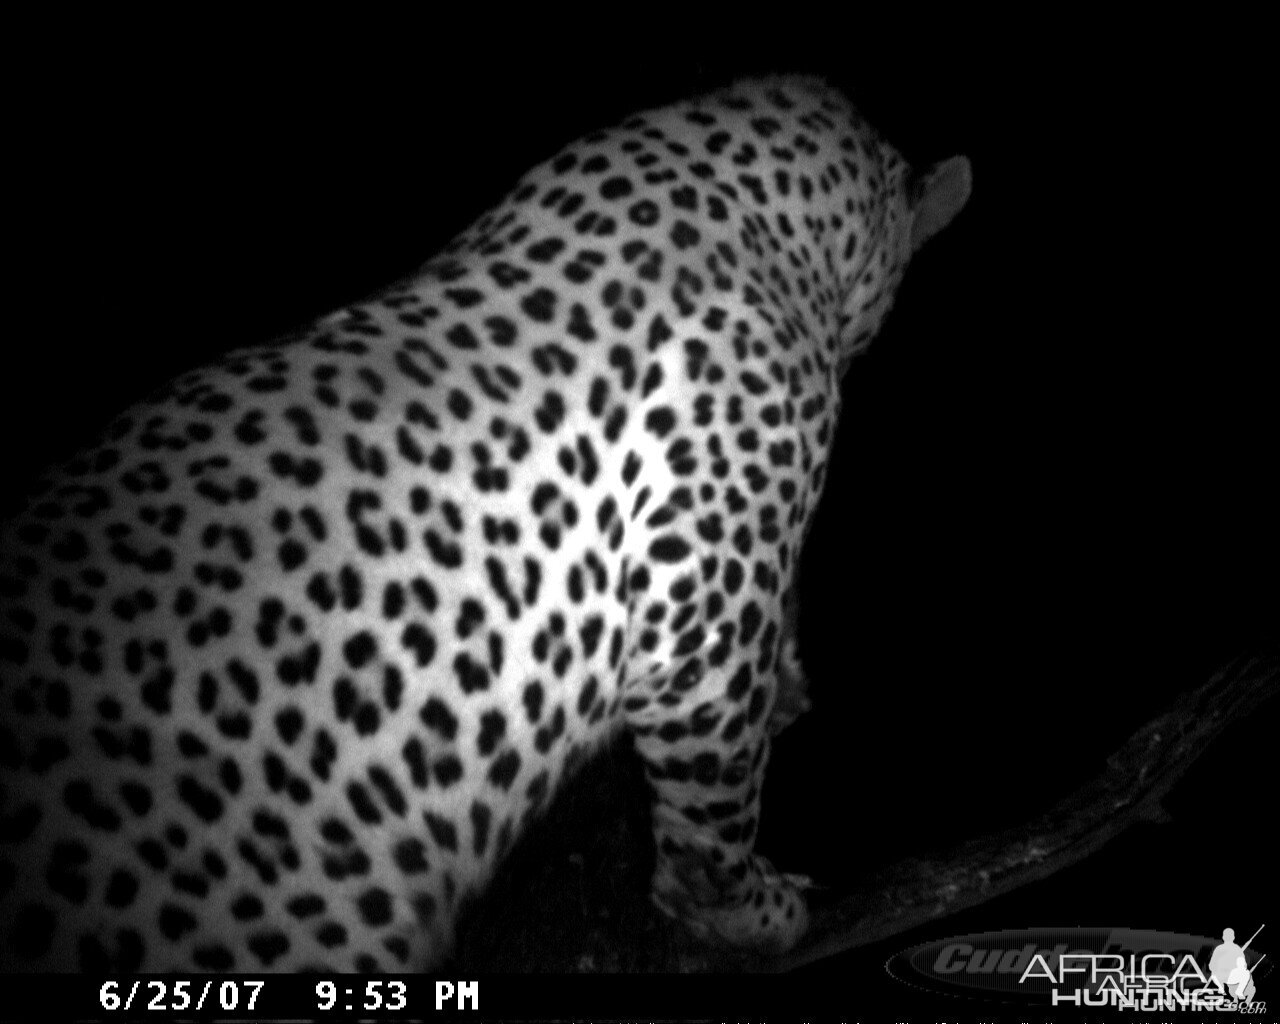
[1051, 504]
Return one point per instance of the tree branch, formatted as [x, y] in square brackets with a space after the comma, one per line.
[573, 897]
[1136, 779]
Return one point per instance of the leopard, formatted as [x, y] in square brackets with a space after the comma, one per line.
[297, 649]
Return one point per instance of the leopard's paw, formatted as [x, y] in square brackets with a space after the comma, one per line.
[767, 911]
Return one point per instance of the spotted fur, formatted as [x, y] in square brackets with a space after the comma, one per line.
[292, 655]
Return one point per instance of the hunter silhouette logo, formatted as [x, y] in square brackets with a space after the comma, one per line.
[1229, 969]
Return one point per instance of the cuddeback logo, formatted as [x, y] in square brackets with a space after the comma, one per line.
[1091, 967]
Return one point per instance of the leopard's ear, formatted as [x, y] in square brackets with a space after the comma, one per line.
[937, 195]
